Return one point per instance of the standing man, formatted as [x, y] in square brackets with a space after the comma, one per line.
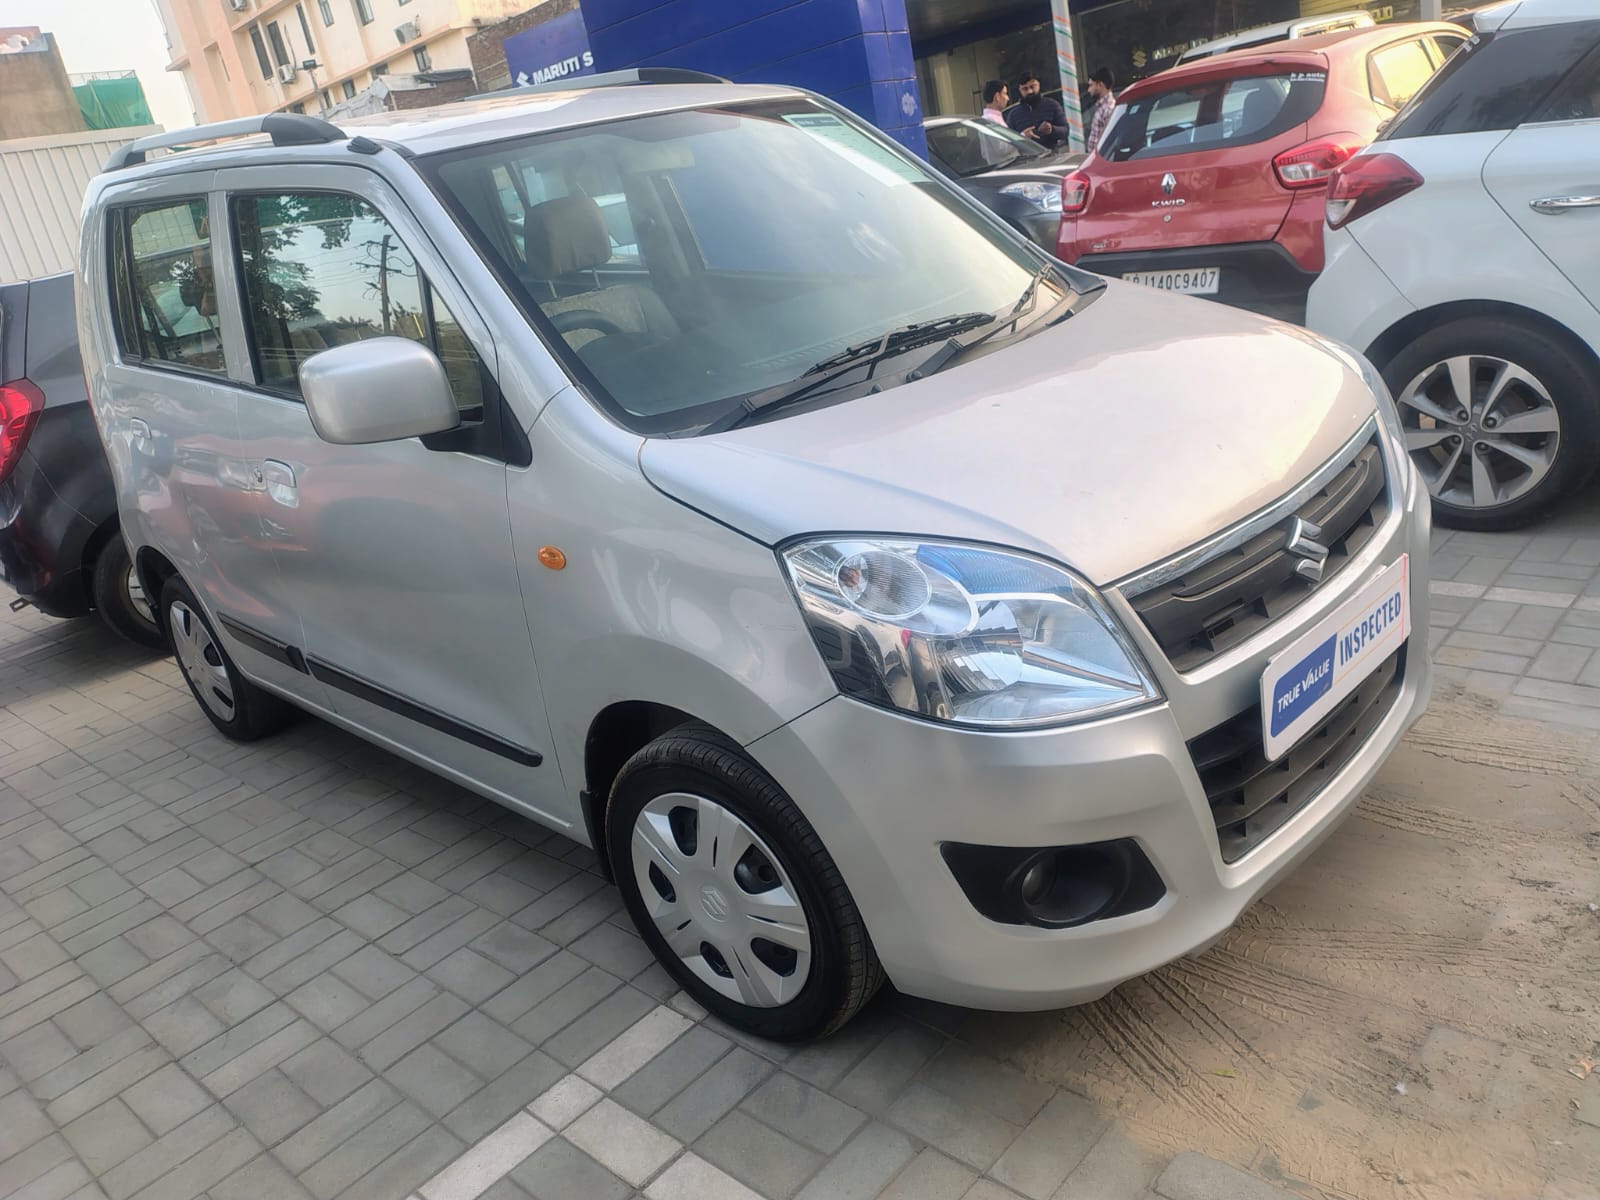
[995, 98]
[1101, 84]
[1037, 116]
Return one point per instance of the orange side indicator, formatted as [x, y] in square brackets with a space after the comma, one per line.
[552, 557]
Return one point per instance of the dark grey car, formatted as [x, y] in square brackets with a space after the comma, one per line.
[61, 549]
[1016, 178]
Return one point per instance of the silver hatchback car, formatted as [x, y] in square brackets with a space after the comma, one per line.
[691, 470]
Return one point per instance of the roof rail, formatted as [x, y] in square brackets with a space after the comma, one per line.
[634, 75]
[285, 129]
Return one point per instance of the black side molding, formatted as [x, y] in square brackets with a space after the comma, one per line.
[262, 644]
[372, 694]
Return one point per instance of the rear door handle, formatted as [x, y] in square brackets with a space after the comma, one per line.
[1560, 204]
[140, 428]
[280, 483]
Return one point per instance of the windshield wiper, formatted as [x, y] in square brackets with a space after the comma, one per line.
[863, 354]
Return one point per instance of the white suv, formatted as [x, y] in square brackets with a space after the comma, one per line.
[1463, 257]
[876, 595]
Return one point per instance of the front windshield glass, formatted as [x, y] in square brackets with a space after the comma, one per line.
[687, 260]
[972, 147]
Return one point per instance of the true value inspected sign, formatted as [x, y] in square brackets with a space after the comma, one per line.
[554, 50]
[1305, 682]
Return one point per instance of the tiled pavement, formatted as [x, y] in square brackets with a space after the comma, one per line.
[305, 968]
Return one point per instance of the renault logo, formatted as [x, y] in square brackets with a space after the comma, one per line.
[1169, 184]
[1303, 543]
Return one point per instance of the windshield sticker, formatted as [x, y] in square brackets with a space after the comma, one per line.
[861, 150]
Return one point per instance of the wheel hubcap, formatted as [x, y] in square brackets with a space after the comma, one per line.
[136, 596]
[1482, 430]
[721, 899]
[201, 661]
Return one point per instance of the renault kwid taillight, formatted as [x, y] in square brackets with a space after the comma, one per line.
[1313, 163]
[20, 406]
[1075, 193]
[1368, 183]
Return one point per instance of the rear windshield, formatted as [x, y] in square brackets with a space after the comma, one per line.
[1215, 114]
[1496, 81]
[973, 147]
[682, 261]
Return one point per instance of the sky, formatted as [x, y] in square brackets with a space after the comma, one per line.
[110, 35]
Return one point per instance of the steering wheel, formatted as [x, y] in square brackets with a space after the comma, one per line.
[584, 318]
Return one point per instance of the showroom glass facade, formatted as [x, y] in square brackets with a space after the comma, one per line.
[960, 44]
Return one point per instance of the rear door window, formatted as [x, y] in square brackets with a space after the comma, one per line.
[1578, 97]
[1214, 115]
[165, 288]
[1497, 82]
[1397, 73]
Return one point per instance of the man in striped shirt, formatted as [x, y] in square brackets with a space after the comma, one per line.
[1105, 99]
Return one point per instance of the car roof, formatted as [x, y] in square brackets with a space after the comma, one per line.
[1525, 14]
[462, 123]
[1315, 51]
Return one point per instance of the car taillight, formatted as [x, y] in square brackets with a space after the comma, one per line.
[1366, 183]
[20, 406]
[1075, 193]
[1310, 165]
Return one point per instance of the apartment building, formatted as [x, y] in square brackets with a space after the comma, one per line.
[242, 57]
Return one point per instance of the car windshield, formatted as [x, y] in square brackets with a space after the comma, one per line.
[680, 262]
[971, 147]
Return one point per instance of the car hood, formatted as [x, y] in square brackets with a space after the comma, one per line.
[1051, 168]
[1130, 431]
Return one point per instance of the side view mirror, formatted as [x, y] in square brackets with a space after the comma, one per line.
[383, 389]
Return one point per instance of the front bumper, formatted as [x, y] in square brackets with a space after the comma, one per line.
[884, 791]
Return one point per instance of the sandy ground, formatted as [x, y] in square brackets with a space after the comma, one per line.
[1441, 941]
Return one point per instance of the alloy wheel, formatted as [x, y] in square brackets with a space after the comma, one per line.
[721, 900]
[201, 661]
[1482, 430]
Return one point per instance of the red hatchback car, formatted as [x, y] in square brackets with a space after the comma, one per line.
[1211, 178]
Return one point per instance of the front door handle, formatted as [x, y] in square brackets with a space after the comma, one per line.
[1560, 204]
[280, 483]
[140, 429]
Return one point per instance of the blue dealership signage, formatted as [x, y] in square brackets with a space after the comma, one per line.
[557, 49]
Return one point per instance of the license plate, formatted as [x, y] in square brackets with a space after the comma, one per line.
[1304, 683]
[1196, 281]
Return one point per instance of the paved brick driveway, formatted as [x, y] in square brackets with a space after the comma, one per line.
[307, 968]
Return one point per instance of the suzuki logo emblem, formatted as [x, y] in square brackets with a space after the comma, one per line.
[714, 903]
[1313, 554]
[1169, 183]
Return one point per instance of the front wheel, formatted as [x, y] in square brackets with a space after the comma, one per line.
[1502, 420]
[733, 890]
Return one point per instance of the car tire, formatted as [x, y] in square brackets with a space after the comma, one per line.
[765, 870]
[239, 709]
[113, 583]
[1483, 479]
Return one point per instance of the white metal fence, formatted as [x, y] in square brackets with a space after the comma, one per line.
[42, 182]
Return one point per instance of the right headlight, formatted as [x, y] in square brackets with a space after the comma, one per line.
[964, 634]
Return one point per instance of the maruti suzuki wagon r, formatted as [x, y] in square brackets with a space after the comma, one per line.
[690, 469]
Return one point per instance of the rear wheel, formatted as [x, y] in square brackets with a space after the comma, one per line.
[238, 708]
[119, 597]
[1502, 420]
[733, 890]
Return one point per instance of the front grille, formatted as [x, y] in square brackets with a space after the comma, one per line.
[1250, 797]
[1223, 600]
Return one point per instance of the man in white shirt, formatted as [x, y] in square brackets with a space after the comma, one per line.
[995, 98]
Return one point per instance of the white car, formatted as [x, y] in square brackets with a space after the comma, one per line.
[1463, 257]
